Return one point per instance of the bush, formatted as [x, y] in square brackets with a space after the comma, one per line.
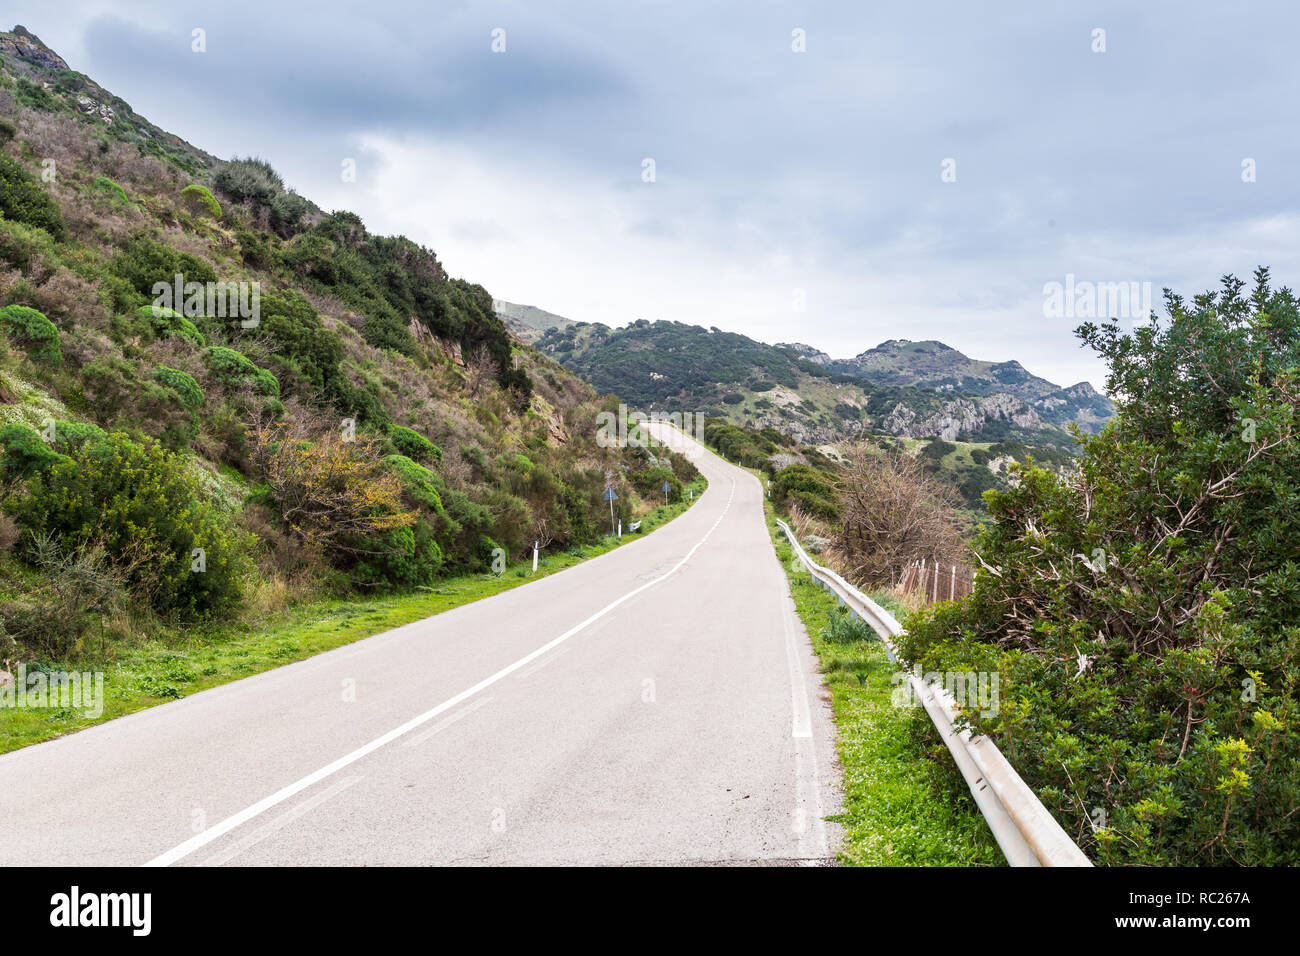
[25, 452]
[164, 322]
[733, 398]
[413, 445]
[182, 383]
[24, 246]
[146, 509]
[143, 261]
[33, 329]
[1141, 612]
[198, 200]
[807, 487]
[649, 483]
[249, 180]
[23, 200]
[77, 587]
[105, 185]
[331, 492]
[892, 512]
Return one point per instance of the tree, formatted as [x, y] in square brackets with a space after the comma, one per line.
[893, 512]
[327, 484]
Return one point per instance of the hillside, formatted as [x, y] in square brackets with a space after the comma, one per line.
[905, 390]
[357, 421]
[527, 322]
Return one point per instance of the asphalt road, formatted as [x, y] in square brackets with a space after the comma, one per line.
[656, 705]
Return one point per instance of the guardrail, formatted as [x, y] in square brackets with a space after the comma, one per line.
[1027, 834]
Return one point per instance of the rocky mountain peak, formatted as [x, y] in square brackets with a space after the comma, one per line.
[22, 44]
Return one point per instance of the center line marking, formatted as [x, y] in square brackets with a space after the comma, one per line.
[446, 722]
[284, 793]
[280, 822]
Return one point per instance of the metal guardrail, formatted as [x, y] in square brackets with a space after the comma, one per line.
[1027, 834]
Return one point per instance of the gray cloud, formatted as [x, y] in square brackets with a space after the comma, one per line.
[1118, 165]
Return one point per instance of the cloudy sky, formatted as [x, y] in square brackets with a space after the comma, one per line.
[919, 170]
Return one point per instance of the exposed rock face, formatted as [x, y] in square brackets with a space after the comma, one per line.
[805, 351]
[960, 415]
[785, 460]
[806, 433]
[26, 46]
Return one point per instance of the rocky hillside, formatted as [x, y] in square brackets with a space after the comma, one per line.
[901, 389]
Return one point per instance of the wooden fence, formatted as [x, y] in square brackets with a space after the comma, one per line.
[933, 582]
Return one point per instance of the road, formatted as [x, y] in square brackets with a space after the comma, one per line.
[657, 705]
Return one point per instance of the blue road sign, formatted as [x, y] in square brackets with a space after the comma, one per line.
[609, 494]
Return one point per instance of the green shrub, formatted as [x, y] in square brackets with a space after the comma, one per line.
[198, 200]
[182, 383]
[807, 486]
[166, 322]
[24, 246]
[7, 130]
[407, 557]
[228, 366]
[250, 179]
[733, 398]
[105, 185]
[649, 482]
[1141, 613]
[23, 200]
[149, 512]
[936, 449]
[34, 330]
[265, 383]
[254, 250]
[420, 485]
[25, 452]
[413, 445]
[143, 261]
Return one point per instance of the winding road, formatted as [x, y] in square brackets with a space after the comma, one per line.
[659, 704]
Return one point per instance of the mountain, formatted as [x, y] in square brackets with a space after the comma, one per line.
[217, 400]
[900, 388]
[527, 322]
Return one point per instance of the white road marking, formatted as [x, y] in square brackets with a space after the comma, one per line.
[266, 803]
[280, 822]
[446, 722]
[807, 778]
[801, 722]
[540, 664]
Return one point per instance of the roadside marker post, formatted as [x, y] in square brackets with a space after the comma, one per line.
[611, 497]
[535, 543]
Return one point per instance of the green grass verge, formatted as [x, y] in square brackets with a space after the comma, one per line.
[197, 659]
[904, 803]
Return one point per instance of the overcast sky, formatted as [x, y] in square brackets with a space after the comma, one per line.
[780, 177]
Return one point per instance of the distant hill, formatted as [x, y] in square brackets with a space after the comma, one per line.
[901, 388]
[527, 322]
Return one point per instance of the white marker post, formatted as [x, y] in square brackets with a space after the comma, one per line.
[535, 557]
[611, 497]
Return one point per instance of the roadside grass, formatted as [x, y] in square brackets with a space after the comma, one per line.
[196, 659]
[904, 802]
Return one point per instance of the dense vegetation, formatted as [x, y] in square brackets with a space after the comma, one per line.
[1142, 612]
[371, 428]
